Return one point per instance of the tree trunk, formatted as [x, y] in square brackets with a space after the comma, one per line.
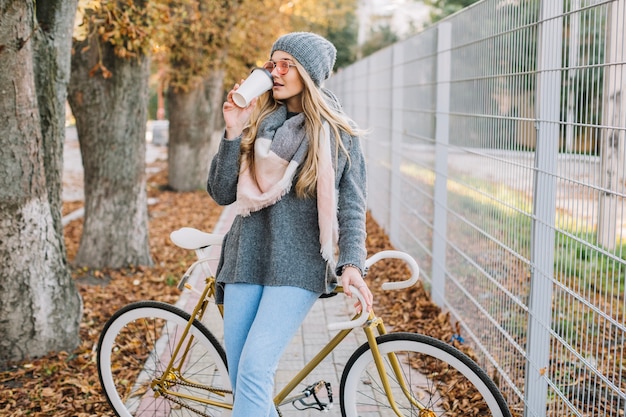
[193, 118]
[110, 118]
[52, 57]
[40, 308]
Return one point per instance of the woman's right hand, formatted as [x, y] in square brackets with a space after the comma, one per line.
[235, 117]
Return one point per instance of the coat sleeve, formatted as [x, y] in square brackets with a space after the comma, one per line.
[224, 172]
[352, 208]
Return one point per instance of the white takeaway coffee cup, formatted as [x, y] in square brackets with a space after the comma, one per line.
[256, 84]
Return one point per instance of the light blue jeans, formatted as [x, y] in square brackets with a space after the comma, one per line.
[259, 323]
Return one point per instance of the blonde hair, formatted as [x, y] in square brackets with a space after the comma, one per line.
[316, 110]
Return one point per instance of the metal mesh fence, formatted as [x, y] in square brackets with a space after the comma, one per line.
[496, 156]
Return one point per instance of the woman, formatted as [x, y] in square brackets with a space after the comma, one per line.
[293, 164]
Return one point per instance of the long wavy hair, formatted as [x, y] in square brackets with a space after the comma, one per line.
[316, 110]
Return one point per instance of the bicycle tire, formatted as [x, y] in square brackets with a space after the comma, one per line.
[134, 349]
[443, 378]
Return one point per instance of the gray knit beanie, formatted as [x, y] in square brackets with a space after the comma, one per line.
[316, 54]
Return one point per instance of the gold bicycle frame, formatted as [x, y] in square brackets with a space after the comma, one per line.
[373, 328]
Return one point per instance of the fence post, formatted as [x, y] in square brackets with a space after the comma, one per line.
[397, 132]
[549, 43]
[442, 131]
[613, 150]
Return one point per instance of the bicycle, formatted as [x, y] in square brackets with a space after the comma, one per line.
[154, 358]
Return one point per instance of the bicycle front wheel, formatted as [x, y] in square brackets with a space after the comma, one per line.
[431, 378]
[134, 350]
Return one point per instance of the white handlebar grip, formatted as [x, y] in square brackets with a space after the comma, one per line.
[343, 325]
[394, 254]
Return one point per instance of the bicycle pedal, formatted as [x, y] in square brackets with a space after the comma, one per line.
[311, 391]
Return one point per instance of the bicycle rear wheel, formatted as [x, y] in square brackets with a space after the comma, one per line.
[134, 349]
[442, 379]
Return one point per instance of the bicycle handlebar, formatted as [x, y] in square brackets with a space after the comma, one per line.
[351, 324]
[394, 254]
[386, 254]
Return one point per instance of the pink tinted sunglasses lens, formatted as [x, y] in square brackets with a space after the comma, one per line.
[283, 66]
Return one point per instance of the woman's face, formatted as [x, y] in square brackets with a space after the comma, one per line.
[287, 88]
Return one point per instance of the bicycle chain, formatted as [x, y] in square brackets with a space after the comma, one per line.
[200, 386]
[180, 403]
[188, 407]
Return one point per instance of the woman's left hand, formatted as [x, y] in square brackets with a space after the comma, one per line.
[352, 276]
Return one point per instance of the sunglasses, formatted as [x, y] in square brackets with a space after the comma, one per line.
[282, 65]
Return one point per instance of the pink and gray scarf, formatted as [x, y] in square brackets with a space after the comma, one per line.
[279, 149]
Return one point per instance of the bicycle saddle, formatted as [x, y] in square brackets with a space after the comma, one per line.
[190, 238]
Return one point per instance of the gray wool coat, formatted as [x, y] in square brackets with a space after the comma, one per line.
[279, 245]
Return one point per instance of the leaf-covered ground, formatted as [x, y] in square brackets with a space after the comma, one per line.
[66, 383]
